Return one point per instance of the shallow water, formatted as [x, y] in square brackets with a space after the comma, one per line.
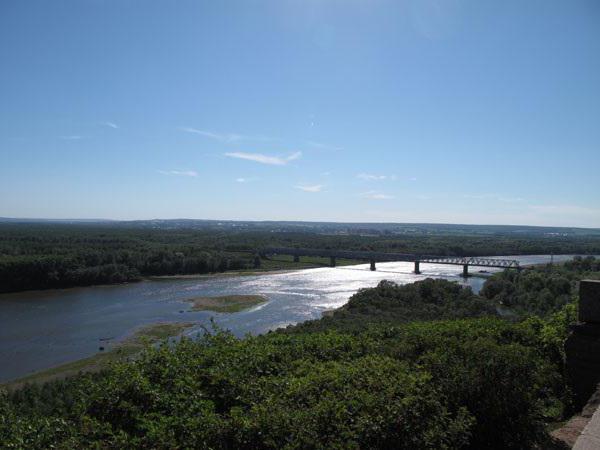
[41, 329]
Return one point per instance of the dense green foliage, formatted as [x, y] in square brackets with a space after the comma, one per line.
[540, 290]
[388, 302]
[478, 384]
[40, 257]
[467, 383]
[47, 255]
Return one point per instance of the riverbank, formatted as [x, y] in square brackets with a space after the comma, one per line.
[281, 265]
[232, 273]
[274, 266]
[125, 349]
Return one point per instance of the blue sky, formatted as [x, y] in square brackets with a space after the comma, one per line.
[340, 110]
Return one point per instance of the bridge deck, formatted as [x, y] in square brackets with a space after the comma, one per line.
[385, 256]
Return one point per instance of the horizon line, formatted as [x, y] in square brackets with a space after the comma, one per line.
[4, 219]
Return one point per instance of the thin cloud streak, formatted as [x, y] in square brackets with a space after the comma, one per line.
[371, 177]
[495, 197]
[265, 159]
[245, 180]
[322, 146]
[566, 210]
[375, 195]
[73, 137]
[310, 188]
[225, 137]
[181, 173]
[111, 125]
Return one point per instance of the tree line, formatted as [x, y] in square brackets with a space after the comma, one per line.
[40, 256]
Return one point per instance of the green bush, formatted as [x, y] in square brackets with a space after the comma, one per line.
[389, 302]
[479, 383]
[368, 377]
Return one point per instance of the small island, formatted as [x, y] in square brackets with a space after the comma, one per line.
[226, 303]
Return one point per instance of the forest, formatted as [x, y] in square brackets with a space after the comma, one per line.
[58, 255]
[543, 290]
[428, 365]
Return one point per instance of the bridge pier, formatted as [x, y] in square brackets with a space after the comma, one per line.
[332, 261]
[465, 270]
[373, 268]
[417, 269]
[296, 258]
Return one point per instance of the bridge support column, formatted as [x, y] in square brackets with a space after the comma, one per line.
[296, 258]
[256, 261]
[332, 261]
[373, 265]
[465, 270]
[417, 269]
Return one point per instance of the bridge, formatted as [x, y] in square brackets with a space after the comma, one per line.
[374, 257]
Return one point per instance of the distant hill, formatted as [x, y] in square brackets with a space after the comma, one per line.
[328, 227]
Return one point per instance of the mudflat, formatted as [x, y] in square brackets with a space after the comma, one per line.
[226, 303]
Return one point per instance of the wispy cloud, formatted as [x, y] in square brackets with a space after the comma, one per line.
[210, 134]
[111, 125]
[566, 210]
[265, 159]
[376, 195]
[245, 180]
[310, 188]
[495, 197]
[225, 137]
[371, 177]
[73, 137]
[181, 173]
[322, 146]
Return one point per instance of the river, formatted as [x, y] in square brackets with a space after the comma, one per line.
[42, 329]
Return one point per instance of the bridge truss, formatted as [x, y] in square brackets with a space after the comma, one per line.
[374, 257]
[474, 261]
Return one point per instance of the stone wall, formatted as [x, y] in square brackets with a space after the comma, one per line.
[583, 345]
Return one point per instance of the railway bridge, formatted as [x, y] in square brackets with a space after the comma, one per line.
[374, 257]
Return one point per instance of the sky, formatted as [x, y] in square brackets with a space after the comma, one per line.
[449, 111]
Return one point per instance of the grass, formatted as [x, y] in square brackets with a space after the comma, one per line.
[128, 348]
[226, 303]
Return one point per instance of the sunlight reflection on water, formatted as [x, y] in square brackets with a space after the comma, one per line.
[40, 329]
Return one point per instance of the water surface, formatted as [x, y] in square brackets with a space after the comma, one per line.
[41, 329]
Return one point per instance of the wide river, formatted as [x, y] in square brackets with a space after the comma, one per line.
[41, 329]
